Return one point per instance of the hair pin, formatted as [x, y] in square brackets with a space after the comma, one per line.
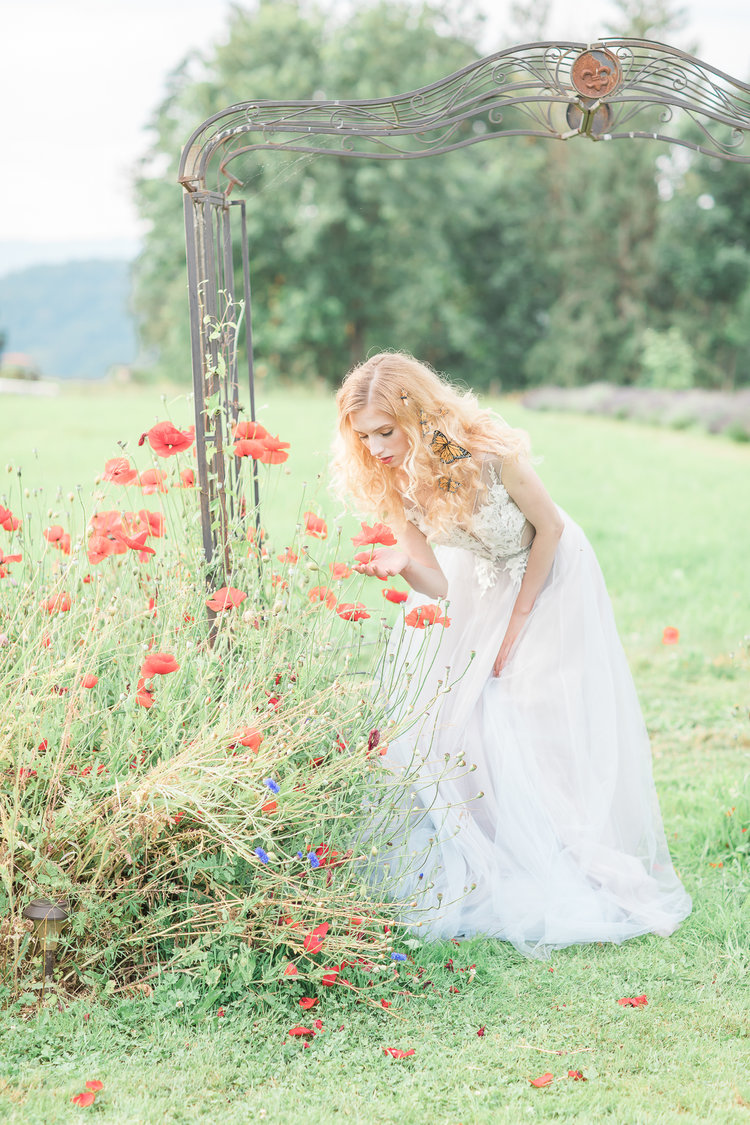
[448, 451]
[448, 484]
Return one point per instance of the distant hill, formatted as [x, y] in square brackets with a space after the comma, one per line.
[18, 253]
[72, 319]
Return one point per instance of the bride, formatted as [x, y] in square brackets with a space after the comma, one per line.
[534, 818]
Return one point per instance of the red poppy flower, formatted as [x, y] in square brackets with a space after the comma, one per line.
[166, 440]
[8, 520]
[291, 970]
[143, 696]
[633, 1001]
[273, 456]
[95, 1085]
[577, 1076]
[352, 611]
[138, 544]
[225, 598]
[89, 680]
[158, 664]
[249, 447]
[154, 522]
[300, 1031]
[313, 942]
[119, 470]
[288, 556]
[424, 615]
[315, 526]
[5, 561]
[248, 736]
[391, 594]
[106, 523]
[339, 570]
[329, 978]
[59, 603]
[274, 445]
[378, 533]
[322, 594]
[269, 807]
[308, 1002]
[88, 1097]
[152, 480]
[187, 478]
[249, 431]
[542, 1080]
[481, 1031]
[397, 1053]
[108, 536]
[99, 548]
[58, 537]
[670, 636]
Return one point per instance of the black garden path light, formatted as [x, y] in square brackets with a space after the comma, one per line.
[49, 918]
[614, 89]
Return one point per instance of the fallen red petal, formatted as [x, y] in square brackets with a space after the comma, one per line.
[542, 1080]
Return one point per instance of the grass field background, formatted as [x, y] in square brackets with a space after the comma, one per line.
[669, 516]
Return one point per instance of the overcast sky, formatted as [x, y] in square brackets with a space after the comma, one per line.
[80, 79]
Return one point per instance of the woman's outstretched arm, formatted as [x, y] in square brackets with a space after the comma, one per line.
[526, 489]
[414, 560]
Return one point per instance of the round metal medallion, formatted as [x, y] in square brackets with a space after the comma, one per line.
[595, 73]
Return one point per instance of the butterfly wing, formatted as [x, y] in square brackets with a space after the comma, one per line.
[448, 484]
[448, 451]
[424, 423]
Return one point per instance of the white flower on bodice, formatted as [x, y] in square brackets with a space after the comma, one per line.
[500, 537]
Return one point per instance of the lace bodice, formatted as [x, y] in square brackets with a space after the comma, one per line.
[500, 539]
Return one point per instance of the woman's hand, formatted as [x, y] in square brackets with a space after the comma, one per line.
[383, 563]
[515, 625]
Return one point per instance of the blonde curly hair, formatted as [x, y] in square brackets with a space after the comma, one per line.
[409, 391]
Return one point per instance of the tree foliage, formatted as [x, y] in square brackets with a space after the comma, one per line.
[505, 263]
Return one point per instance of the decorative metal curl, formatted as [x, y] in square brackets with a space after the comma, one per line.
[541, 80]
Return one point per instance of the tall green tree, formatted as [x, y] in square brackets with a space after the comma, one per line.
[701, 284]
[351, 255]
[605, 210]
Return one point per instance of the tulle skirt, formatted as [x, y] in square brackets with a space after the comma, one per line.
[531, 813]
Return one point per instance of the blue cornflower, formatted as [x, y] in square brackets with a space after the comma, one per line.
[300, 855]
[398, 957]
[269, 781]
[314, 861]
[261, 855]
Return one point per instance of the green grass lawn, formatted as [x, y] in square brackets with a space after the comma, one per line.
[669, 515]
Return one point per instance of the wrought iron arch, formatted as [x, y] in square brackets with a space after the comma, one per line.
[610, 90]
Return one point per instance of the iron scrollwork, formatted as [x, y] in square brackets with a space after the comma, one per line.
[610, 90]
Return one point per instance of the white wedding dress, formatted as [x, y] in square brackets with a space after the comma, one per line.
[565, 844]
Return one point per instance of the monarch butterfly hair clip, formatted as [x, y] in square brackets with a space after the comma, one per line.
[424, 422]
[448, 484]
[404, 397]
[448, 451]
